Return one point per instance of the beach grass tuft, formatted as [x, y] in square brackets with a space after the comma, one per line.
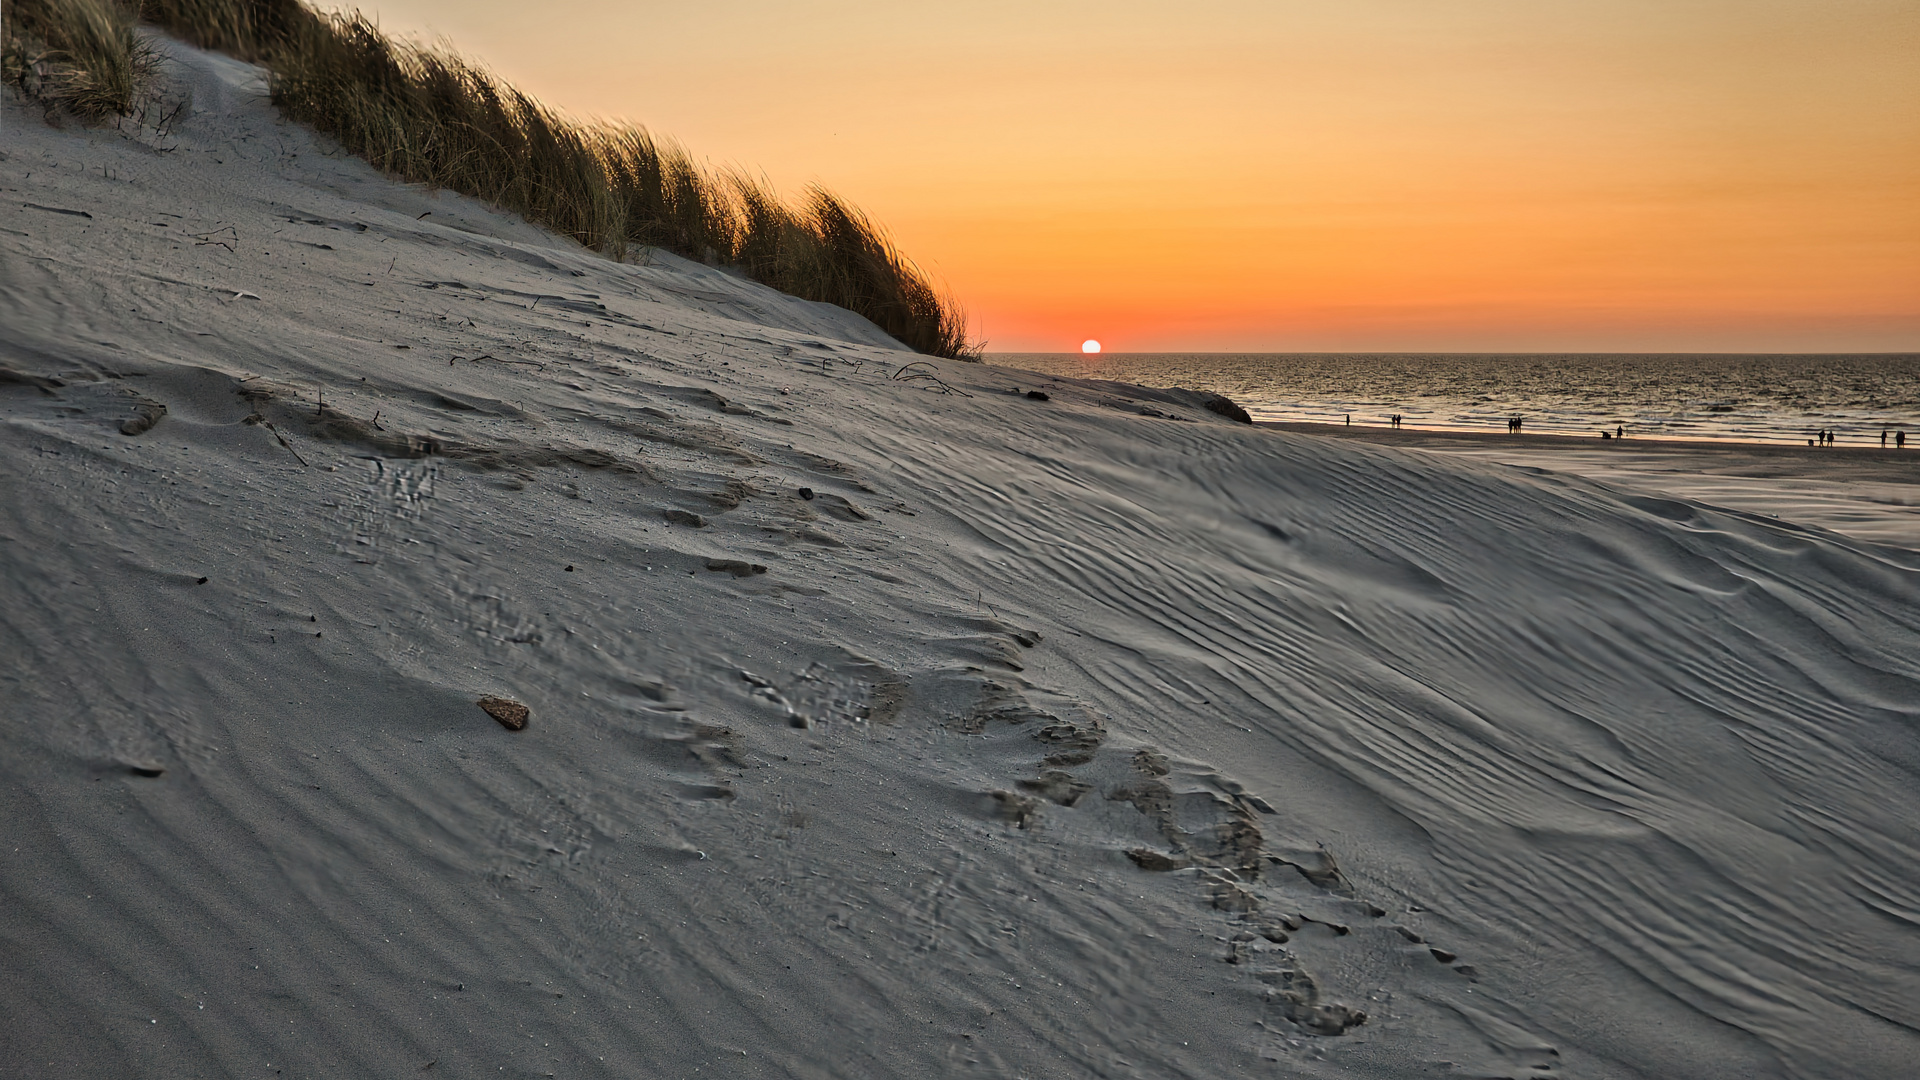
[77, 56]
[428, 116]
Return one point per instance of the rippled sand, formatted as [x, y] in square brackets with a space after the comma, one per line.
[841, 722]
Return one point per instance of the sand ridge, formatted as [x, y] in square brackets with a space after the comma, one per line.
[1092, 735]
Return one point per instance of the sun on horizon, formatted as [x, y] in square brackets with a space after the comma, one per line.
[1089, 346]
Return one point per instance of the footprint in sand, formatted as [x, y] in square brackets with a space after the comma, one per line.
[1201, 822]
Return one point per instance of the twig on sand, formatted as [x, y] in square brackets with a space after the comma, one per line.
[164, 126]
[489, 356]
[256, 418]
[289, 446]
[212, 238]
[908, 374]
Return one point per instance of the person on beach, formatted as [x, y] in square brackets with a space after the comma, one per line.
[1899, 440]
[1883, 438]
[1620, 431]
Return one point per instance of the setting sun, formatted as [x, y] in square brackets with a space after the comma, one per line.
[1089, 346]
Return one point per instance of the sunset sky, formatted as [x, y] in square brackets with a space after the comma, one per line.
[1279, 175]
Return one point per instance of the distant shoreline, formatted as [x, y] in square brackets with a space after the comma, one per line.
[1409, 436]
[1726, 457]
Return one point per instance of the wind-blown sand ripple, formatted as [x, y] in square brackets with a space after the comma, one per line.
[1055, 739]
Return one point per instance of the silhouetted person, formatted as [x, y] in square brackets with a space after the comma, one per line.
[1899, 440]
[1883, 438]
[1620, 431]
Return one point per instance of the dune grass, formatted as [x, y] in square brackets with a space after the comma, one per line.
[80, 56]
[429, 117]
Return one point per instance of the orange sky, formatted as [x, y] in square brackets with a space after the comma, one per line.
[1275, 175]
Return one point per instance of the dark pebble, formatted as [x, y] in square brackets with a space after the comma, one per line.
[806, 493]
[1038, 395]
[511, 714]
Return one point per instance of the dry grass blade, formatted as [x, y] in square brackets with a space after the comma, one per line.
[921, 370]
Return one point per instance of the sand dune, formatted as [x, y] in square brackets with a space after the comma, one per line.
[878, 725]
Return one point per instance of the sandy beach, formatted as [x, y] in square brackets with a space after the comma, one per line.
[850, 713]
[1866, 492]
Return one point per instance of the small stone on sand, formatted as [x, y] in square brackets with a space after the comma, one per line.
[511, 714]
[735, 567]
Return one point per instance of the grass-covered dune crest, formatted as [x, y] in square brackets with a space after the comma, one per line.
[428, 116]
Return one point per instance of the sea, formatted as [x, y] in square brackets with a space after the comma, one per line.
[1747, 397]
